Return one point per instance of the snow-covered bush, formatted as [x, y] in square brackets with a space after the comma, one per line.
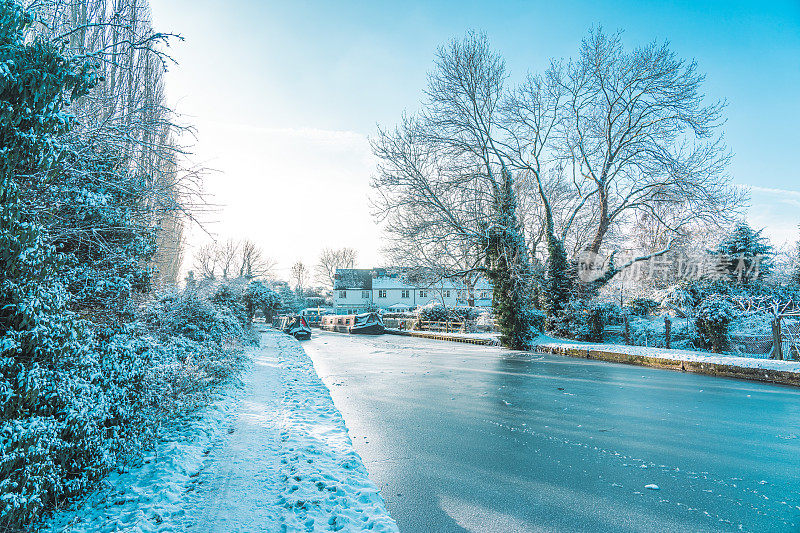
[714, 315]
[258, 296]
[230, 295]
[436, 312]
[751, 324]
[584, 319]
[189, 315]
[646, 331]
[641, 307]
[84, 382]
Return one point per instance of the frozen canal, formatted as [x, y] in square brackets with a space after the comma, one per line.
[461, 437]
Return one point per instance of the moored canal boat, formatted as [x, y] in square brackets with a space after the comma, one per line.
[363, 324]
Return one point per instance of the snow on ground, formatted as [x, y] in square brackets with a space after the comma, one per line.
[675, 355]
[271, 454]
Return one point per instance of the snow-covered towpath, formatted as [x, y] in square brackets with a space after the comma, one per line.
[272, 455]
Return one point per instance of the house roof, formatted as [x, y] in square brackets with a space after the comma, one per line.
[353, 278]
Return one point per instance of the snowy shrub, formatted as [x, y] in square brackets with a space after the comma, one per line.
[436, 312]
[230, 295]
[714, 315]
[84, 382]
[258, 296]
[679, 298]
[645, 331]
[641, 307]
[187, 314]
[485, 322]
[752, 324]
[585, 319]
[538, 319]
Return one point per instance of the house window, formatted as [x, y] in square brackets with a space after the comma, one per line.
[382, 293]
[423, 294]
[365, 294]
[404, 294]
[342, 294]
[447, 294]
[484, 295]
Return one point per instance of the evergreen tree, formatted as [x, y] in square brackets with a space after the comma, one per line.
[259, 296]
[557, 283]
[744, 254]
[509, 270]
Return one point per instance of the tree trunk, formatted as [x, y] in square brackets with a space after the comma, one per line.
[603, 224]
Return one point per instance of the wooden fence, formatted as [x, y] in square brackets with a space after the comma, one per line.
[413, 324]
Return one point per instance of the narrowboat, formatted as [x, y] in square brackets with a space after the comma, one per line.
[313, 315]
[296, 326]
[363, 324]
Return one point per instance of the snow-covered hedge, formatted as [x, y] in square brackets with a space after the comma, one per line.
[86, 379]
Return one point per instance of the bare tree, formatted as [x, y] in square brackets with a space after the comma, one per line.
[232, 259]
[125, 117]
[443, 180]
[329, 260]
[253, 263]
[641, 139]
[206, 260]
[228, 251]
[299, 274]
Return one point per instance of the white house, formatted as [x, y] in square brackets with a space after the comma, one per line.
[357, 290]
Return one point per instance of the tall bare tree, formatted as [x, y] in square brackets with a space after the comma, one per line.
[444, 181]
[253, 263]
[329, 260]
[299, 273]
[228, 251]
[126, 114]
[233, 259]
[641, 139]
[206, 261]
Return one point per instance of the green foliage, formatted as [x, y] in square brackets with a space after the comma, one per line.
[259, 296]
[230, 295]
[557, 285]
[745, 254]
[55, 421]
[538, 319]
[585, 319]
[84, 385]
[508, 272]
[641, 307]
[289, 303]
[714, 315]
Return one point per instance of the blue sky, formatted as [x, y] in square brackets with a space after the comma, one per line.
[285, 93]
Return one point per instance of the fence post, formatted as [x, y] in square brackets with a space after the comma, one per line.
[627, 329]
[667, 329]
[777, 340]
